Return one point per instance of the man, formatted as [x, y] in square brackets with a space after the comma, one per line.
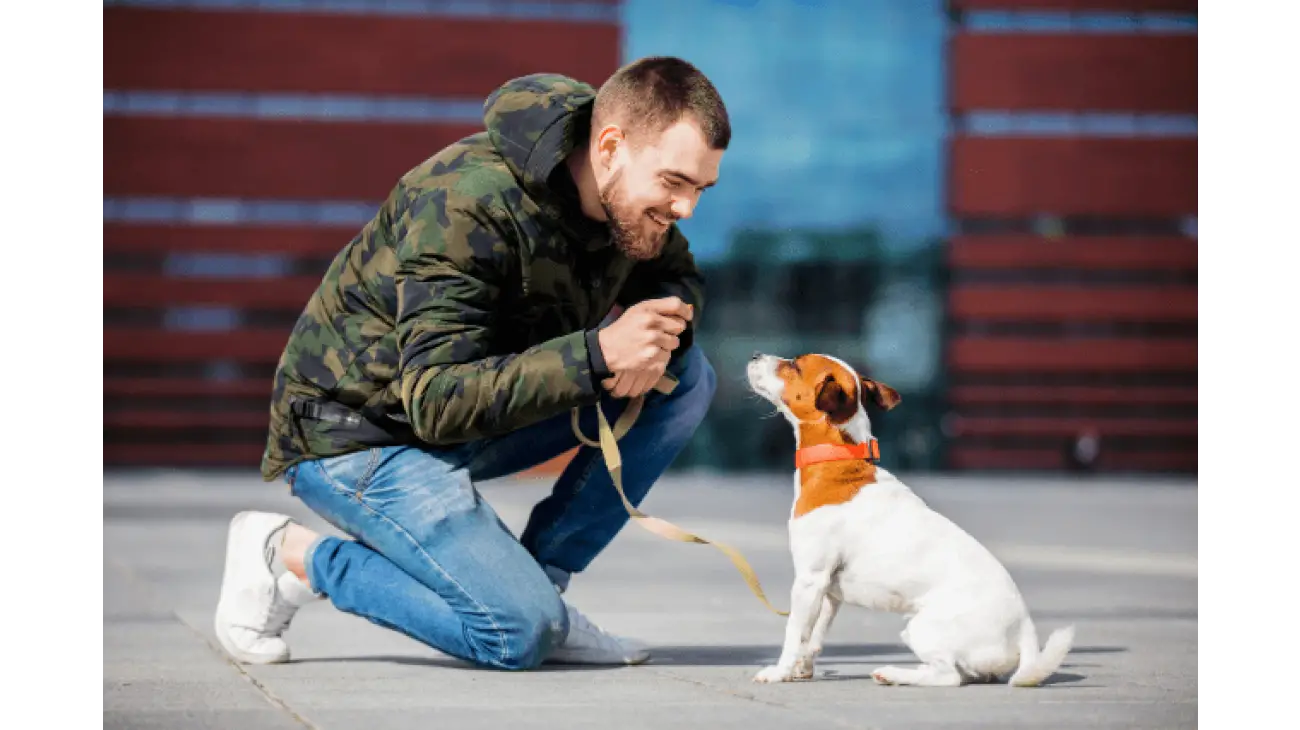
[448, 343]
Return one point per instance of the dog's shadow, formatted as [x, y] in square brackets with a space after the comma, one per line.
[758, 655]
[1059, 677]
[849, 655]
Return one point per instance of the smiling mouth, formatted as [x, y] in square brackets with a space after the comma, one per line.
[658, 219]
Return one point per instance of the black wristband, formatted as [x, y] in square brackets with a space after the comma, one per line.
[596, 358]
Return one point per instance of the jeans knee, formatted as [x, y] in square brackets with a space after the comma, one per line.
[525, 640]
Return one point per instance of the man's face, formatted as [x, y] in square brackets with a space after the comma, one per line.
[651, 183]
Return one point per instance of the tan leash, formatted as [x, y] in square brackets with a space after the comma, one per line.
[608, 444]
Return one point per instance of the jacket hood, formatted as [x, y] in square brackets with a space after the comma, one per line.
[535, 121]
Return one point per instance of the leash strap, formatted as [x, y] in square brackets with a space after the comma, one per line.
[608, 444]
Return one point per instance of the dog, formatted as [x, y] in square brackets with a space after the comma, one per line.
[859, 535]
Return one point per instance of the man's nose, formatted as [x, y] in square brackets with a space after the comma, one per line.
[682, 208]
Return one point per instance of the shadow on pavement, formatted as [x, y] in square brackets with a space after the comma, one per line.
[441, 663]
[756, 655]
[761, 654]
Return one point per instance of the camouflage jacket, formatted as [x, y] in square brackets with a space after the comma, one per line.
[468, 306]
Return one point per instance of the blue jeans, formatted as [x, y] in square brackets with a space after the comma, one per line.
[432, 560]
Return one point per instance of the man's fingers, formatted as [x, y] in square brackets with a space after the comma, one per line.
[651, 375]
[624, 387]
[633, 383]
[627, 384]
[670, 307]
[665, 323]
[667, 342]
[641, 385]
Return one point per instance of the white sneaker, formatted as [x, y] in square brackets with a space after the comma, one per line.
[589, 644]
[255, 605]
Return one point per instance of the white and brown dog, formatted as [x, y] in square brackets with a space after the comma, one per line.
[860, 535]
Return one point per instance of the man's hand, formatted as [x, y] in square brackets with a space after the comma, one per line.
[626, 386]
[639, 343]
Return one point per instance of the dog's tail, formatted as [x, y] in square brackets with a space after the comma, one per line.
[1036, 666]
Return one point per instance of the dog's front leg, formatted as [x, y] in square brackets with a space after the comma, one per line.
[805, 605]
[803, 668]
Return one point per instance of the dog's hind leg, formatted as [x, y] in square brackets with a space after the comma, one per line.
[938, 668]
[926, 675]
[803, 667]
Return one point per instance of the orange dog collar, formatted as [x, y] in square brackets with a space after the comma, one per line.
[869, 451]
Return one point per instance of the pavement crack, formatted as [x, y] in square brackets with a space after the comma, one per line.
[741, 695]
[724, 690]
[266, 692]
[262, 689]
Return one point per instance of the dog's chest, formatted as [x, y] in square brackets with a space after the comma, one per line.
[864, 540]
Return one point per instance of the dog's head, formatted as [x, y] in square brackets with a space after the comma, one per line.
[818, 389]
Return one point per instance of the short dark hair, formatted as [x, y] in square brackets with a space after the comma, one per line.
[653, 93]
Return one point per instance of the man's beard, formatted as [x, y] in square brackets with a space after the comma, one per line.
[627, 226]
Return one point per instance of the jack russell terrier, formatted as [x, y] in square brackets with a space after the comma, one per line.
[860, 535]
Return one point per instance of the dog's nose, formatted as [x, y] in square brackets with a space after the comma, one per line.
[756, 356]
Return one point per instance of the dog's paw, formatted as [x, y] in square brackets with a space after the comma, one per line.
[803, 668]
[885, 675]
[773, 674]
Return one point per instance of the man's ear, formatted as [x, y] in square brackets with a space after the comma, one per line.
[884, 396]
[607, 143]
[832, 400]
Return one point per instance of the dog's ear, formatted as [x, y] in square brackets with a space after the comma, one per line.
[884, 396]
[832, 400]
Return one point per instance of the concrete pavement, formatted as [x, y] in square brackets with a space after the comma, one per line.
[1115, 557]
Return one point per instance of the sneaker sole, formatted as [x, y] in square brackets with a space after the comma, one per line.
[221, 626]
[244, 657]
